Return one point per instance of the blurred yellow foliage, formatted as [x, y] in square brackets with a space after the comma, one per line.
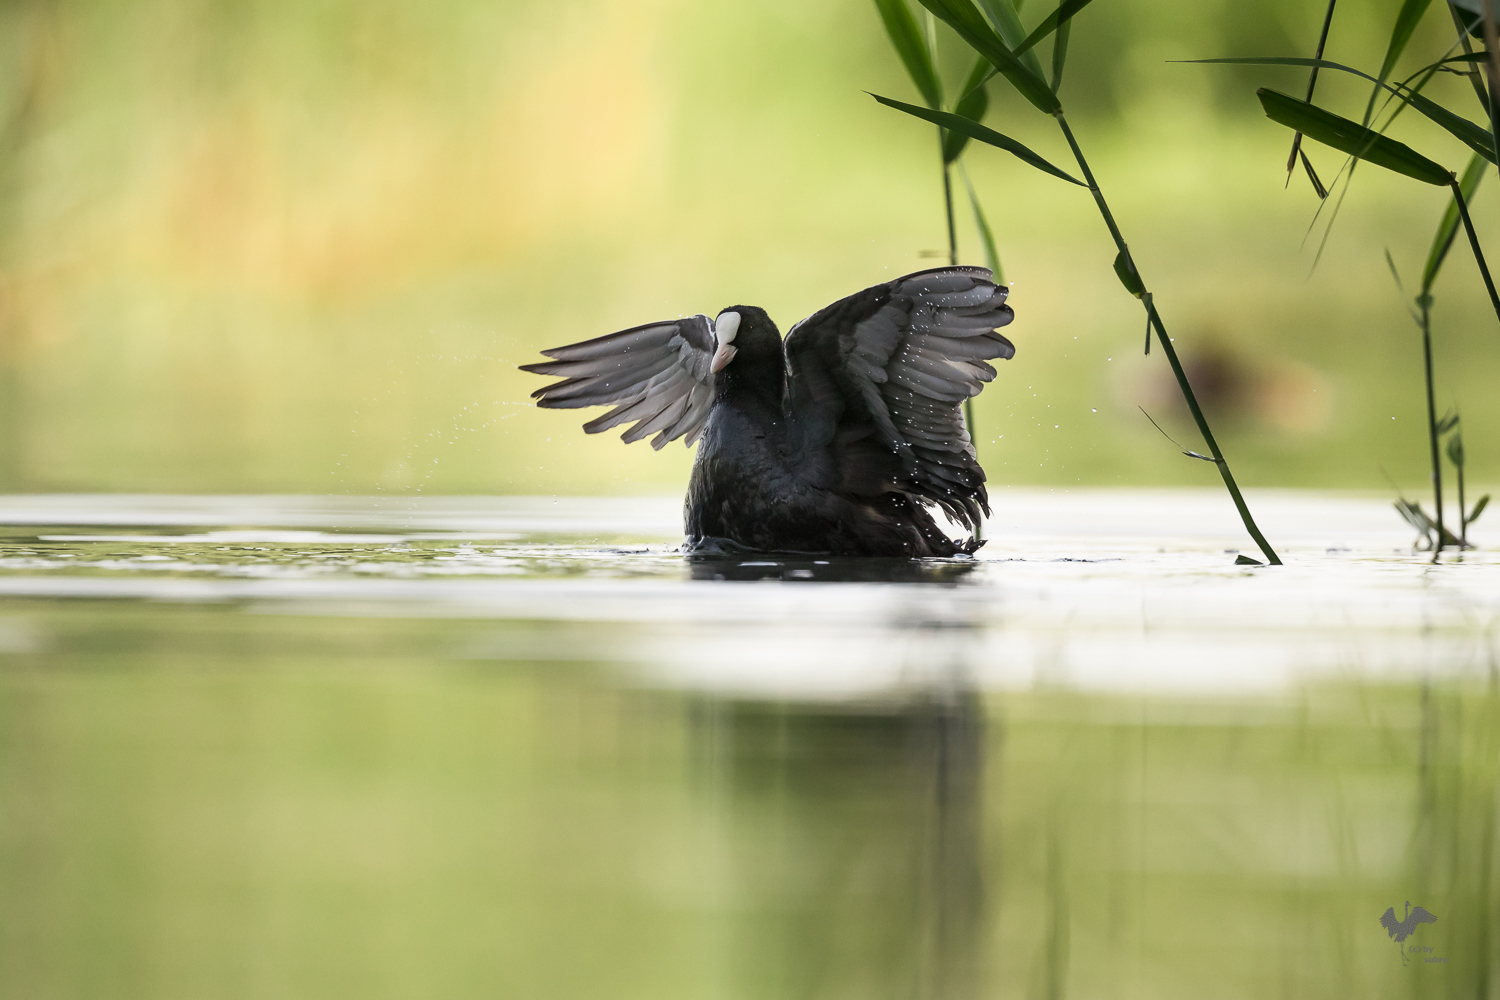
[302, 246]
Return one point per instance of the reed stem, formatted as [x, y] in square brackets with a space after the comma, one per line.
[1492, 65]
[1425, 302]
[953, 262]
[1312, 83]
[948, 207]
[1463, 513]
[1166, 345]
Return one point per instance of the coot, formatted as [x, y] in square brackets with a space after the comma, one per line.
[837, 440]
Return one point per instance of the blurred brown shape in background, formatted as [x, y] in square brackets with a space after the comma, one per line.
[1233, 385]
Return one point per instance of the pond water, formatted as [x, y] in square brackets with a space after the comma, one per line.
[522, 747]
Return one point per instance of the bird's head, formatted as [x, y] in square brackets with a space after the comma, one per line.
[745, 332]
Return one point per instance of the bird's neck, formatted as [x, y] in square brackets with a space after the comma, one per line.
[752, 382]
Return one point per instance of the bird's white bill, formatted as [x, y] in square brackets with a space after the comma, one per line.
[723, 356]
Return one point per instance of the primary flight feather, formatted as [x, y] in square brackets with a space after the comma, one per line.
[836, 440]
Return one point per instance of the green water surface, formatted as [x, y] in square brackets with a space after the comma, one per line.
[465, 761]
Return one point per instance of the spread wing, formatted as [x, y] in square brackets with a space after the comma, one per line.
[1421, 916]
[1389, 922]
[881, 377]
[656, 375]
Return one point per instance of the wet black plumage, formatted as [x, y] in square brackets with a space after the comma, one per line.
[836, 440]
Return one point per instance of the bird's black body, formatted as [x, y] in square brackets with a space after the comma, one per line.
[837, 440]
[765, 478]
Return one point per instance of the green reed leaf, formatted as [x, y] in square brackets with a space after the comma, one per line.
[986, 236]
[966, 19]
[1282, 61]
[1312, 175]
[1467, 57]
[1474, 136]
[1415, 516]
[1350, 137]
[1126, 273]
[1400, 287]
[974, 130]
[1060, 53]
[1456, 450]
[979, 75]
[972, 105]
[906, 38]
[1055, 21]
[1406, 22]
[1297, 152]
[1007, 20]
[1442, 241]
[1474, 23]
[1479, 506]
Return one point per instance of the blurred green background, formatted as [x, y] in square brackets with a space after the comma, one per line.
[301, 246]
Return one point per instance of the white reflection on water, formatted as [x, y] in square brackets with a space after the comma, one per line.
[1094, 589]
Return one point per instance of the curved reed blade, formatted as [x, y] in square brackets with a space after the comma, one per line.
[1283, 61]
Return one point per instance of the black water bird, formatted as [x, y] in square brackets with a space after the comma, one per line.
[1400, 930]
[837, 440]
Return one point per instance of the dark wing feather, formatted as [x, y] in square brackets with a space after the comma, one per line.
[902, 357]
[1421, 916]
[1389, 922]
[656, 375]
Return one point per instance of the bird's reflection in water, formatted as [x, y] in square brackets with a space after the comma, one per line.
[829, 570]
[854, 844]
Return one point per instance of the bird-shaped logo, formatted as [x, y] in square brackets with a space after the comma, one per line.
[1402, 929]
